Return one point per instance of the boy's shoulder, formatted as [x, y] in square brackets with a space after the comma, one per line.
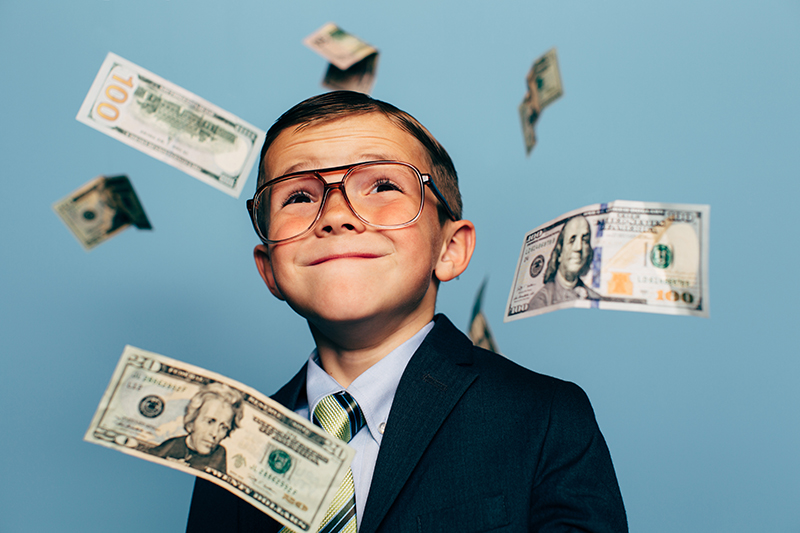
[495, 371]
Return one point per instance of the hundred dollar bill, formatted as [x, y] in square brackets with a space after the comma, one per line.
[633, 256]
[100, 209]
[199, 422]
[171, 124]
[479, 331]
[544, 79]
[353, 62]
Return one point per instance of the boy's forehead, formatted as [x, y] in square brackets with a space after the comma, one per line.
[342, 141]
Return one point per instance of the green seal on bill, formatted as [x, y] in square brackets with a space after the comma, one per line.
[661, 256]
[279, 461]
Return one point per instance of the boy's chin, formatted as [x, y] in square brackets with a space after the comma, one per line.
[339, 319]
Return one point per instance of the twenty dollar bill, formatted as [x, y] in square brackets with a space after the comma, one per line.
[199, 422]
[633, 256]
[171, 124]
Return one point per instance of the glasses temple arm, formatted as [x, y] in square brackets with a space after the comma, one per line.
[440, 196]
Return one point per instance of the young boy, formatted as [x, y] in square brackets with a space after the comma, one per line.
[359, 211]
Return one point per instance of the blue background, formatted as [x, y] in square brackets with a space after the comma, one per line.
[682, 101]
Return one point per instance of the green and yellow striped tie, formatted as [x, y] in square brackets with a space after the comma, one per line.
[339, 415]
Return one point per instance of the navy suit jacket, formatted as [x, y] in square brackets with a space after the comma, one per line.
[473, 443]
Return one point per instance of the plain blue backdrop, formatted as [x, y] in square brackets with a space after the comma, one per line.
[684, 101]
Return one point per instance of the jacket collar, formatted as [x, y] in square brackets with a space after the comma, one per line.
[435, 379]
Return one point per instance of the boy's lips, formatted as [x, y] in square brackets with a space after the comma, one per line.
[344, 255]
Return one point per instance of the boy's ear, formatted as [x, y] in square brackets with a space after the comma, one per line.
[261, 255]
[457, 248]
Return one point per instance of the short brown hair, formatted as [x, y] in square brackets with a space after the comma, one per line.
[340, 104]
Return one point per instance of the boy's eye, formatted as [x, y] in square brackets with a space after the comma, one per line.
[297, 197]
[384, 185]
[295, 192]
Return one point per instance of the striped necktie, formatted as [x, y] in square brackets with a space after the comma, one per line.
[339, 415]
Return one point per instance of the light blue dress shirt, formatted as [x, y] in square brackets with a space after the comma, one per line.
[374, 391]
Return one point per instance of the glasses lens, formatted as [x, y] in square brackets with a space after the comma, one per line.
[385, 194]
[288, 208]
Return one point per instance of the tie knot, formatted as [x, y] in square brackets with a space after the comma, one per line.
[339, 415]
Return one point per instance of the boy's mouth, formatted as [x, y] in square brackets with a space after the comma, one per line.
[349, 255]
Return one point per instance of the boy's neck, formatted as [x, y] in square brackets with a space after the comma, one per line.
[347, 350]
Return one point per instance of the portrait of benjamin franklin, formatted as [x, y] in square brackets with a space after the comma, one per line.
[569, 261]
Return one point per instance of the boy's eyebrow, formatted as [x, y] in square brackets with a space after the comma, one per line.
[314, 164]
[303, 165]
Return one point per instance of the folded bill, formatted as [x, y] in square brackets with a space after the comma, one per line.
[171, 124]
[545, 78]
[199, 422]
[634, 256]
[529, 113]
[360, 77]
[100, 209]
[544, 87]
[479, 331]
[353, 63]
[338, 47]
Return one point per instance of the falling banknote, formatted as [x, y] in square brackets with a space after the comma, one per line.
[544, 87]
[199, 422]
[545, 78]
[479, 332]
[353, 62]
[101, 209]
[171, 124]
[632, 256]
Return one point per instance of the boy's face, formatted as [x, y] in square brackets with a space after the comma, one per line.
[343, 270]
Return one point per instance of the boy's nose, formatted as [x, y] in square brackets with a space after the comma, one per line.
[337, 214]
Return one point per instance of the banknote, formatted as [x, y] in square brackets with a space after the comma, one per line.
[360, 77]
[100, 209]
[544, 79]
[199, 422]
[339, 47]
[169, 123]
[633, 256]
[529, 114]
[479, 331]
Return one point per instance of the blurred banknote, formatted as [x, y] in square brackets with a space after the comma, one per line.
[633, 256]
[545, 79]
[479, 331]
[101, 209]
[353, 63]
[199, 422]
[544, 87]
[171, 124]
[529, 114]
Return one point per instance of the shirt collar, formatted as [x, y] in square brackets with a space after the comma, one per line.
[374, 389]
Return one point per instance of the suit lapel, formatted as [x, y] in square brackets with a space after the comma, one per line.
[435, 379]
[293, 392]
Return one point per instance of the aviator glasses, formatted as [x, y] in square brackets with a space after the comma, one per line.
[381, 194]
